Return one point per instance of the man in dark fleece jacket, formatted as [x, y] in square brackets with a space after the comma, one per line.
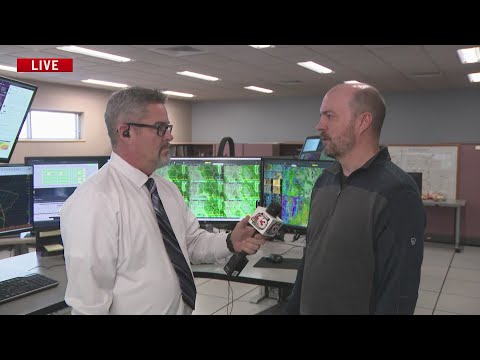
[364, 248]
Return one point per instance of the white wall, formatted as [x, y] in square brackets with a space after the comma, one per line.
[91, 102]
[412, 118]
[255, 121]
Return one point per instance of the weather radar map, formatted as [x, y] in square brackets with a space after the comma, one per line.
[216, 189]
[290, 182]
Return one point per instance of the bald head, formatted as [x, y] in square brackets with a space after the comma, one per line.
[363, 98]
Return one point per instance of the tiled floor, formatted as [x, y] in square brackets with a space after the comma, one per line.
[450, 285]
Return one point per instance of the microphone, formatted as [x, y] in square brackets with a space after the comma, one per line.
[265, 221]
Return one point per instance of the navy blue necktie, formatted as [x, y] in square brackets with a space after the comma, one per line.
[185, 278]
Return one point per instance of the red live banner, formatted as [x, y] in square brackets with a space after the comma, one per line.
[44, 65]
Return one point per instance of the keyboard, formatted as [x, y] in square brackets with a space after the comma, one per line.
[17, 287]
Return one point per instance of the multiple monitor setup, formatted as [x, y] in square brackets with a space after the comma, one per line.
[32, 194]
[16, 181]
[223, 190]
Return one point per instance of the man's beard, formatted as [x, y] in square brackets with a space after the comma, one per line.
[344, 143]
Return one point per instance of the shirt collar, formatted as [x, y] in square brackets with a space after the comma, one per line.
[133, 174]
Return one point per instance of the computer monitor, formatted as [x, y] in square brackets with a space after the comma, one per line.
[417, 176]
[217, 189]
[54, 180]
[16, 97]
[290, 182]
[312, 148]
[16, 199]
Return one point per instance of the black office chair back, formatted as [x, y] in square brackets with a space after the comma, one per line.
[231, 146]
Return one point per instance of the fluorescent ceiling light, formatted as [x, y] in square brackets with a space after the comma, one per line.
[198, 76]
[315, 67]
[469, 56]
[261, 46]
[106, 83]
[351, 82]
[176, 93]
[99, 54]
[475, 77]
[256, 88]
[8, 68]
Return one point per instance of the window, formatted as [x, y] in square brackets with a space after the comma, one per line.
[49, 125]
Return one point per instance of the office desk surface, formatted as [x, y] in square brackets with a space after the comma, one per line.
[51, 300]
[445, 203]
[43, 302]
[16, 240]
[259, 276]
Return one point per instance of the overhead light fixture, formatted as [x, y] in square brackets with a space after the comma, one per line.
[469, 56]
[261, 46]
[176, 93]
[89, 52]
[8, 68]
[106, 83]
[474, 77]
[315, 67]
[352, 82]
[198, 76]
[256, 88]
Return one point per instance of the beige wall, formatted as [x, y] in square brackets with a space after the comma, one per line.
[91, 103]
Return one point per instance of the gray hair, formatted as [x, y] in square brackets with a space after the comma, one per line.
[129, 103]
[368, 99]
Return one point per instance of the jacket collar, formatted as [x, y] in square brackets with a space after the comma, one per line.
[381, 156]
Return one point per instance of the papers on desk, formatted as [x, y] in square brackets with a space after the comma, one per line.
[53, 247]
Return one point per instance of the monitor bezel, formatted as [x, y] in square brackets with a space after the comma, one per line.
[24, 85]
[324, 164]
[7, 233]
[225, 221]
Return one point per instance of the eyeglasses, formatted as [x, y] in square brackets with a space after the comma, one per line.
[161, 128]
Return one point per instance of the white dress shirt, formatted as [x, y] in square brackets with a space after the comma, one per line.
[115, 257]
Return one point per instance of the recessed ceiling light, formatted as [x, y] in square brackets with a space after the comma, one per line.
[261, 46]
[315, 67]
[198, 76]
[469, 56]
[176, 93]
[89, 52]
[474, 77]
[351, 82]
[256, 88]
[106, 83]
[8, 68]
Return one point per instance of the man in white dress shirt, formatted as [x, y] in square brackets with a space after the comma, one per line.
[115, 257]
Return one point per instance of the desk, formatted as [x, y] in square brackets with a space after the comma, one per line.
[51, 300]
[457, 204]
[283, 279]
[43, 302]
[19, 244]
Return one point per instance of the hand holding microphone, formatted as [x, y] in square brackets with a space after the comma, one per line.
[266, 222]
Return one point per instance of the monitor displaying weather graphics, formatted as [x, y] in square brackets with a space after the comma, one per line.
[217, 189]
[16, 198]
[290, 182]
